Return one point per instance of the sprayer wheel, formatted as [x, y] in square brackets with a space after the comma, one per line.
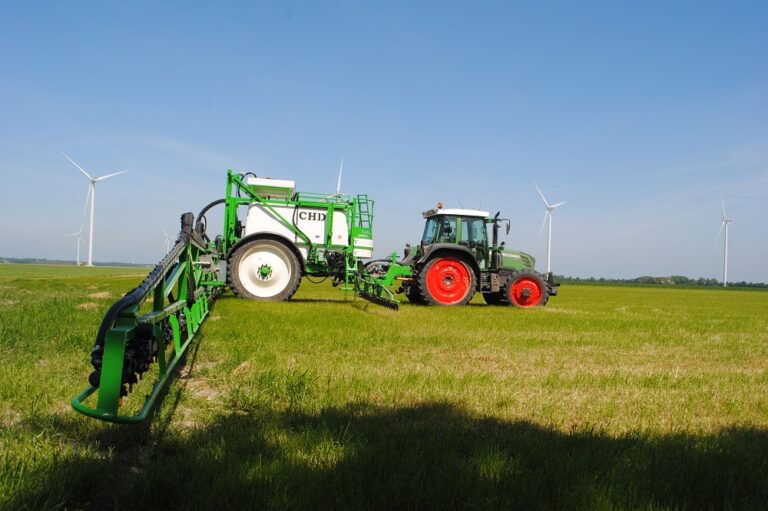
[446, 281]
[263, 269]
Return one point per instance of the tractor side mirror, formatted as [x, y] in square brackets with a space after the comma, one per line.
[507, 229]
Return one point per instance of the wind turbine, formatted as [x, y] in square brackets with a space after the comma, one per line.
[725, 223]
[92, 196]
[548, 220]
[78, 239]
[168, 241]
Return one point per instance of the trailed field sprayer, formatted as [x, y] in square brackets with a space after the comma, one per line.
[287, 235]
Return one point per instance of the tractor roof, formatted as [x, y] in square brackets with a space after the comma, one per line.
[456, 212]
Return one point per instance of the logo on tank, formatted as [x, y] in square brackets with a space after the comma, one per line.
[312, 216]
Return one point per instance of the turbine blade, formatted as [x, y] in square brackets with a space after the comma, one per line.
[338, 183]
[553, 206]
[543, 223]
[542, 195]
[165, 233]
[77, 166]
[102, 178]
[719, 231]
[722, 203]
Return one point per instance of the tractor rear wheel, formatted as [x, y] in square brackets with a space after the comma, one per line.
[263, 270]
[526, 289]
[446, 281]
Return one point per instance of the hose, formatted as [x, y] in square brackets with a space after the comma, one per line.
[135, 296]
[202, 222]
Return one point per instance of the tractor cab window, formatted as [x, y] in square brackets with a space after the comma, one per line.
[440, 229]
[472, 232]
[474, 236]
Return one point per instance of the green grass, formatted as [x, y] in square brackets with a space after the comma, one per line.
[608, 398]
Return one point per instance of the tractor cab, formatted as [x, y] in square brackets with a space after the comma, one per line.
[465, 227]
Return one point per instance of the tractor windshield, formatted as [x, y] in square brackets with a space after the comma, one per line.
[439, 229]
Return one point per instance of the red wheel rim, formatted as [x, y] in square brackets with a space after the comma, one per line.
[525, 292]
[448, 280]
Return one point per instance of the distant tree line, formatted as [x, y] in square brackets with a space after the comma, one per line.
[674, 280]
[33, 260]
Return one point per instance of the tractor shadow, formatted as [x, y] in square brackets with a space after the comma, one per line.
[427, 456]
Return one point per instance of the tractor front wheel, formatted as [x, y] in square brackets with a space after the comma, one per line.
[526, 289]
[446, 281]
[263, 270]
[414, 296]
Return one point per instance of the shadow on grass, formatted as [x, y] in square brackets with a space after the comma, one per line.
[431, 456]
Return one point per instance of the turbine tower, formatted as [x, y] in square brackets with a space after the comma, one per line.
[92, 196]
[725, 223]
[548, 220]
[78, 239]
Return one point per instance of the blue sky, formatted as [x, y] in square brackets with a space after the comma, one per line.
[639, 115]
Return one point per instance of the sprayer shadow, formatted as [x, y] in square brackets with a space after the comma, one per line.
[427, 456]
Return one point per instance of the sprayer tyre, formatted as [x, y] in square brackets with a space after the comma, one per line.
[263, 269]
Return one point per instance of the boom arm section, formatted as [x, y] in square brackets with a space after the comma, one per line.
[133, 336]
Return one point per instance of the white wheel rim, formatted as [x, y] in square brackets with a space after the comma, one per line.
[251, 271]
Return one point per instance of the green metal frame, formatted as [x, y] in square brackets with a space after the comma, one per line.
[166, 312]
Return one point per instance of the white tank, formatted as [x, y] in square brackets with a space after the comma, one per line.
[312, 221]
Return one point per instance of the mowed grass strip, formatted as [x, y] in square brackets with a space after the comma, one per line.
[609, 397]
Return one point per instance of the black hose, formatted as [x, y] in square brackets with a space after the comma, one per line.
[243, 175]
[135, 296]
[201, 215]
[201, 226]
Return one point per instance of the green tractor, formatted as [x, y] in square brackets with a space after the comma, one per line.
[455, 259]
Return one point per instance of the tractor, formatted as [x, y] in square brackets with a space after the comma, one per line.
[455, 259]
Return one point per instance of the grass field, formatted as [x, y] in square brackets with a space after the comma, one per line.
[608, 398]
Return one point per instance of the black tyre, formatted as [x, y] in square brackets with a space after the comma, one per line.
[446, 281]
[263, 270]
[413, 295]
[526, 288]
